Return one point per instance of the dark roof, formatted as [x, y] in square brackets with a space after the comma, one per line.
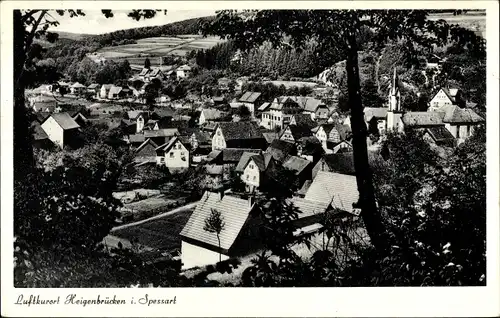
[375, 112]
[38, 132]
[270, 136]
[311, 146]
[65, 121]
[240, 130]
[285, 104]
[136, 138]
[234, 154]
[164, 112]
[262, 160]
[339, 162]
[441, 135]
[304, 120]
[299, 131]
[245, 158]
[168, 132]
[281, 149]
[167, 146]
[455, 114]
[147, 141]
[309, 104]
[41, 116]
[249, 97]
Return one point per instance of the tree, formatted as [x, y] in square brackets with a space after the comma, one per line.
[214, 223]
[243, 112]
[339, 30]
[147, 63]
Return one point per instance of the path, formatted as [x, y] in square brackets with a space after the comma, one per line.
[159, 216]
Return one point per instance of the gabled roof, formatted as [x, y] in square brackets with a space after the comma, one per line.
[78, 85]
[245, 158]
[184, 68]
[309, 104]
[155, 72]
[339, 162]
[262, 160]
[270, 136]
[338, 190]
[133, 114]
[455, 114]
[375, 112]
[296, 164]
[240, 130]
[212, 114]
[264, 106]
[304, 120]
[168, 132]
[311, 146]
[234, 211]
[209, 126]
[298, 131]
[234, 154]
[136, 138]
[164, 112]
[146, 142]
[92, 86]
[418, 119]
[115, 90]
[285, 104]
[64, 120]
[280, 150]
[328, 128]
[167, 146]
[107, 86]
[308, 208]
[249, 97]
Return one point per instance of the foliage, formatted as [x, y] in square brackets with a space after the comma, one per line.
[214, 223]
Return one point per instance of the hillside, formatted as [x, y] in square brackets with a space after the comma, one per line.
[72, 36]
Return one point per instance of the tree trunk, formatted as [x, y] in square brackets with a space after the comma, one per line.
[220, 256]
[370, 215]
[23, 151]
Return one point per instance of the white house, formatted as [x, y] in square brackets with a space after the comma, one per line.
[200, 247]
[105, 90]
[256, 169]
[114, 92]
[60, 128]
[446, 97]
[280, 113]
[183, 71]
[173, 154]
[209, 114]
[139, 117]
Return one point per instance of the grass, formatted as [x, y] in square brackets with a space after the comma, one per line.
[162, 234]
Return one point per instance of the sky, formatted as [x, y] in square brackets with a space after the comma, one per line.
[94, 22]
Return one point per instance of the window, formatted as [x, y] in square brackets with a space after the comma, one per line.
[251, 166]
[458, 131]
[162, 159]
[254, 177]
[247, 176]
[171, 155]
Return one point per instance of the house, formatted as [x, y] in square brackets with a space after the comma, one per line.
[251, 100]
[210, 114]
[224, 84]
[341, 146]
[312, 106]
[339, 162]
[105, 90]
[238, 135]
[294, 133]
[173, 154]
[61, 129]
[201, 248]
[331, 135]
[46, 106]
[263, 107]
[280, 150]
[140, 119]
[77, 89]
[375, 119]
[258, 170]
[302, 169]
[94, 89]
[270, 136]
[280, 113]
[332, 192]
[229, 157]
[115, 92]
[183, 71]
[447, 96]
[79, 117]
[303, 120]
[146, 152]
[135, 140]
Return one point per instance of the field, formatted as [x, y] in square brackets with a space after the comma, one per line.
[156, 47]
[475, 21]
[161, 233]
[289, 84]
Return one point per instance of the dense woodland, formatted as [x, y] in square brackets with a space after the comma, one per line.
[424, 197]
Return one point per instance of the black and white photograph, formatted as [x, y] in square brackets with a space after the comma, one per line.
[164, 148]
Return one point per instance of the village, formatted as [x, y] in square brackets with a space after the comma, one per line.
[239, 143]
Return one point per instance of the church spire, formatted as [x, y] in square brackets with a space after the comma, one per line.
[395, 83]
[394, 93]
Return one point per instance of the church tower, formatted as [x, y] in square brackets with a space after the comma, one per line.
[395, 112]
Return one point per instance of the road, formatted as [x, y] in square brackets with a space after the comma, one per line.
[159, 216]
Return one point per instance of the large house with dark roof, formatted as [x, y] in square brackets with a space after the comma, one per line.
[238, 238]
[293, 133]
[238, 135]
[251, 100]
[280, 113]
[173, 154]
[312, 106]
[447, 97]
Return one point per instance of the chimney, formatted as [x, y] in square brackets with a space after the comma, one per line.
[220, 193]
[250, 201]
